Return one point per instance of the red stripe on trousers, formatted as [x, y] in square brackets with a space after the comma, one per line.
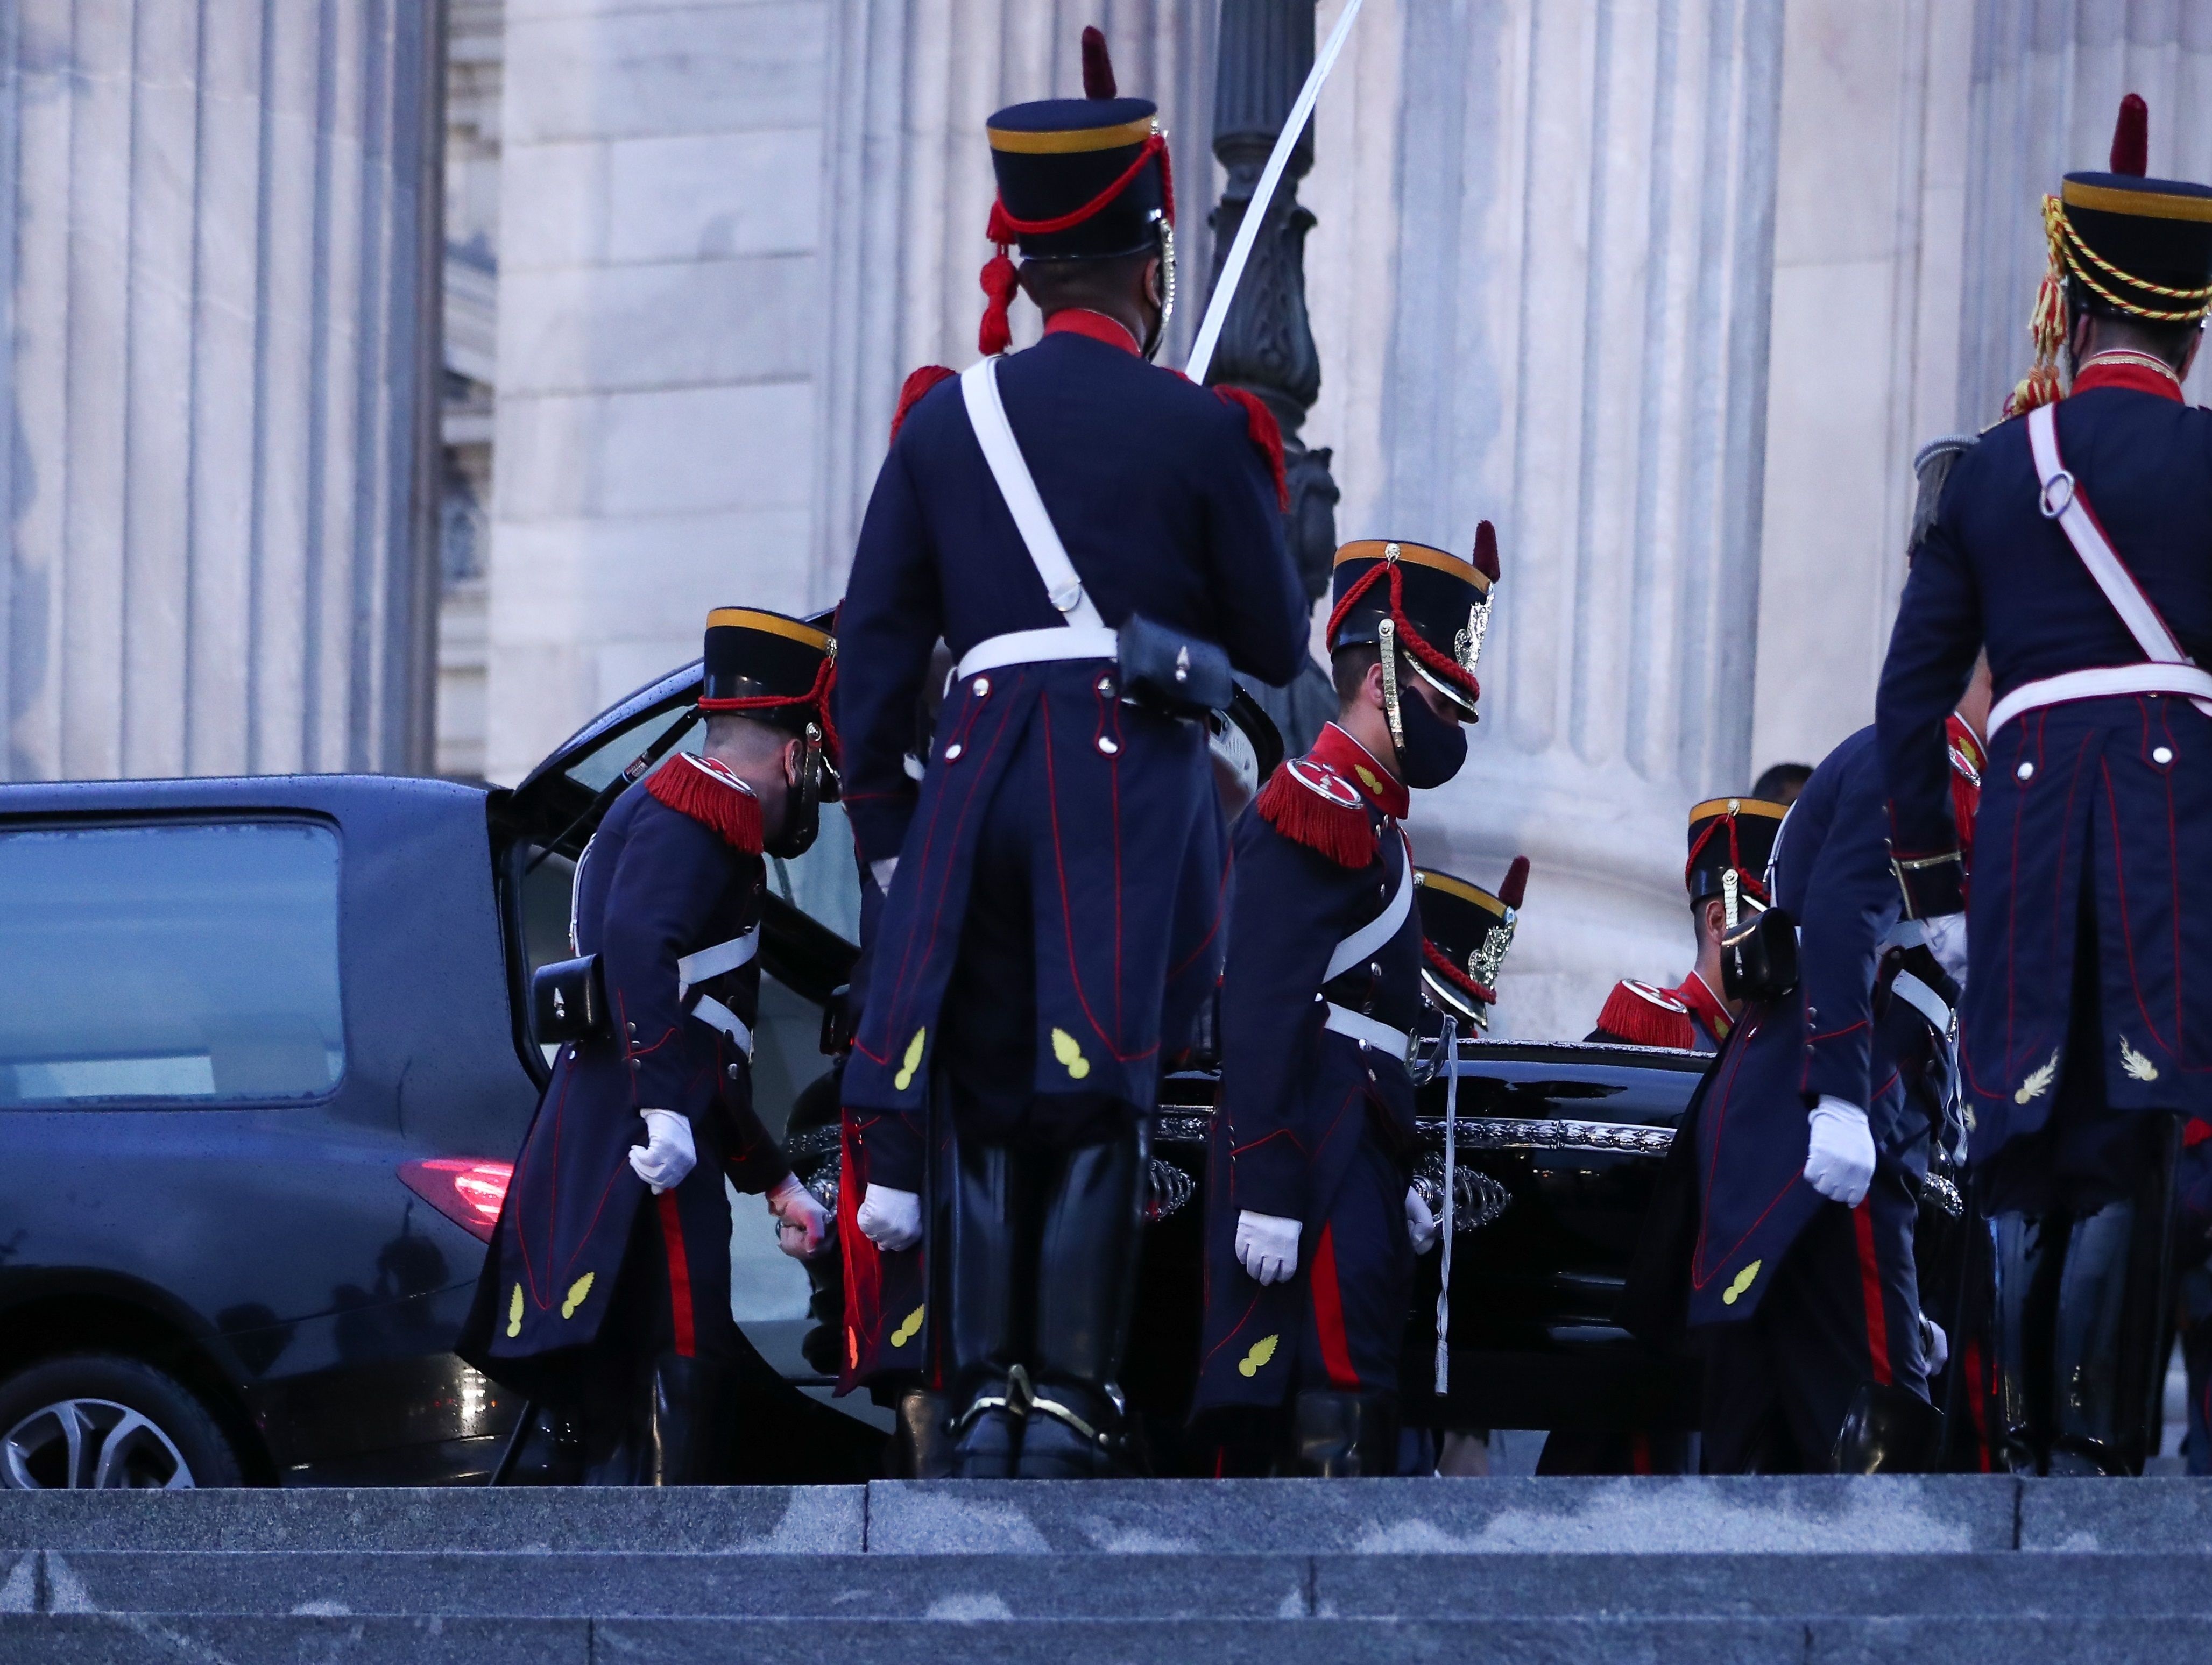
[679, 1273]
[1877, 1317]
[1328, 1317]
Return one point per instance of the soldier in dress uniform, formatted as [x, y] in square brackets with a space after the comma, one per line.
[1312, 1222]
[1730, 840]
[606, 1293]
[1060, 516]
[2070, 538]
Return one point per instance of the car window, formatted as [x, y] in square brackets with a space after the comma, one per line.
[824, 882]
[597, 766]
[169, 962]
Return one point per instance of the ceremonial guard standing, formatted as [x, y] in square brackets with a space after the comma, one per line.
[606, 1292]
[2071, 540]
[1312, 1222]
[1097, 541]
[1728, 836]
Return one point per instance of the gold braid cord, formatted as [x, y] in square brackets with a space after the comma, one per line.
[2070, 257]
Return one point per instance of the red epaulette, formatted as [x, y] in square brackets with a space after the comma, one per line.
[917, 385]
[1646, 1017]
[711, 794]
[1260, 424]
[1311, 804]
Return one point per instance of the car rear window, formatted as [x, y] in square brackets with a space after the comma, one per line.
[177, 962]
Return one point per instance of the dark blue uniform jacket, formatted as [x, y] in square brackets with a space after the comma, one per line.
[1166, 507]
[1297, 1101]
[2101, 805]
[1838, 1034]
[654, 885]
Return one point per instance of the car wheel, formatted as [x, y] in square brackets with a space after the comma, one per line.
[102, 1421]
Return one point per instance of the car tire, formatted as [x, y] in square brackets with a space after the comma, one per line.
[102, 1421]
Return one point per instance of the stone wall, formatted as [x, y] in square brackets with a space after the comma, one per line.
[217, 348]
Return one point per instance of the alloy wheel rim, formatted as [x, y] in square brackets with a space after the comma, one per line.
[93, 1444]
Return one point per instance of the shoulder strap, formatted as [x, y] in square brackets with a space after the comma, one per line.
[2063, 500]
[1367, 938]
[979, 390]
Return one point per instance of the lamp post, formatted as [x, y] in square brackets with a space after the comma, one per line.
[1266, 46]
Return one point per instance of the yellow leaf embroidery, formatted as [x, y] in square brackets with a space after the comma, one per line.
[1070, 1055]
[515, 1314]
[1262, 1351]
[2039, 1080]
[906, 1332]
[851, 1348]
[904, 1078]
[2140, 1067]
[577, 1291]
[1367, 779]
[1734, 1292]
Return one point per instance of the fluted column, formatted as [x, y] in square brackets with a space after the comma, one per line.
[218, 351]
[1575, 289]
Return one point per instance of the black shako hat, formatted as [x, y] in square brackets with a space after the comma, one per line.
[1080, 179]
[1465, 931]
[1731, 832]
[771, 666]
[1431, 607]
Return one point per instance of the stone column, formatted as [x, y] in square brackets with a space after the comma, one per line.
[219, 291]
[1573, 286]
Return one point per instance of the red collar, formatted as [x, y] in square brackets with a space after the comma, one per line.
[1081, 321]
[1357, 764]
[2109, 370]
[1704, 1005]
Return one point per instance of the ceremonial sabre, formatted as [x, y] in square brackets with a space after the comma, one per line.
[1448, 1045]
[1248, 232]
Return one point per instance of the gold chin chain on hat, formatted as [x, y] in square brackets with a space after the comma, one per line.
[2070, 257]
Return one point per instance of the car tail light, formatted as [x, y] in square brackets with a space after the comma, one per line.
[466, 1190]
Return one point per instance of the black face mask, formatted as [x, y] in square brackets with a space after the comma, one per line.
[1433, 749]
[802, 803]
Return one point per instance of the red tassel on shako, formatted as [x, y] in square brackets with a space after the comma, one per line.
[711, 795]
[1081, 179]
[1311, 804]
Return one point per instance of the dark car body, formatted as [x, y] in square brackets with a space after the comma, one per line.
[276, 1258]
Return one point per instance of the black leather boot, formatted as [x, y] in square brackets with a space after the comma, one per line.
[686, 1423]
[1342, 1436]
[924, 1436]
[1888, 1430]
[1089, 1236]
[2111, 1334]
[982, 1214]
[2027, 1254]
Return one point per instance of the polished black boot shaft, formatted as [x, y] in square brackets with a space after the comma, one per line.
[982, 1218]
[2025, 1262]
[2111, 1331]
[1888, 1430]
[1344, 1436]
[686, 1423]
[1090, 1235]
[924, 1440]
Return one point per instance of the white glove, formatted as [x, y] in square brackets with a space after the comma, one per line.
[1267, 1246]
[802, 1224]
[889, 1219]
[1840, 1163]
[1947, 941]
[1936, 1345]
[1420, 1224]
[668, 1153]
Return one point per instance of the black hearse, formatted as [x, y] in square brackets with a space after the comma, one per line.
[264, 1063]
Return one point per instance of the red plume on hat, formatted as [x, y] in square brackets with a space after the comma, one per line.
[1097, 67]
[1485, 558]
[1516, 877]
[2131, 138]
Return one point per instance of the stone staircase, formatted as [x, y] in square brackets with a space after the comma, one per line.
[1274, 1572]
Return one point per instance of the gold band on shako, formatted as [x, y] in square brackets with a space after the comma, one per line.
[1417, 555]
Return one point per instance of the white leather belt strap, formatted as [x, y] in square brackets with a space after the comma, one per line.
[1038, 647]
[694, 968]
[712, 1012]
[1363, 943]
[1923, 1000]
[2192, 682]
[2061, 499]
[987, 415]
[1368, 1032]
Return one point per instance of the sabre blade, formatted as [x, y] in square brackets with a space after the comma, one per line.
[1240, 252]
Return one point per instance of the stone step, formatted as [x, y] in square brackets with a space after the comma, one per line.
[81, 1639]
[959, 1587]
[1929, 1515]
